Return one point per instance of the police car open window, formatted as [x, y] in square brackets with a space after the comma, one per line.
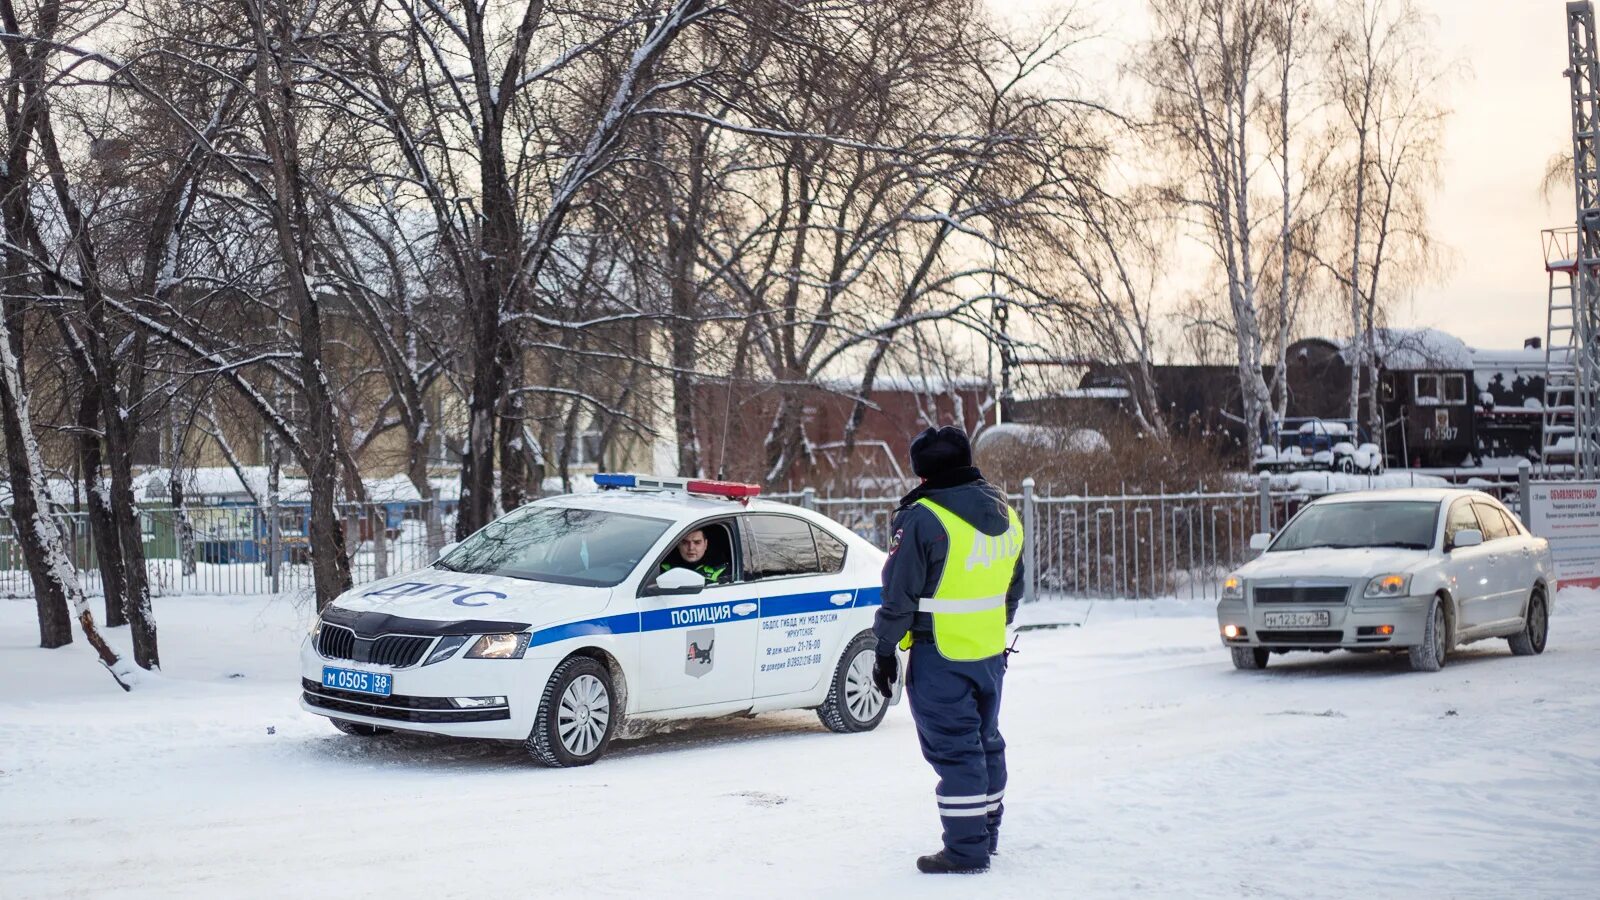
[716, 564]
[778, 546]
[584, 547]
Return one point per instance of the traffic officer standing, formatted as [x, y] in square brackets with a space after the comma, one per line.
[950, 588]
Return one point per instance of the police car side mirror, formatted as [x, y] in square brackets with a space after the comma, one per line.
[1260, 540]
[1467, 537]
[678, 581]
[445, 550]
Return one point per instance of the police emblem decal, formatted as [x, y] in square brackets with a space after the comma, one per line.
[697, 658]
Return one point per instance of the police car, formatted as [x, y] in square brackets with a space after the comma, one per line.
[567, 619]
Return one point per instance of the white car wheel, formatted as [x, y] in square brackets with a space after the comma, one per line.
[1250, 658]
[576, 715]
[1535, 627]
[853, 703]
[1429, 655]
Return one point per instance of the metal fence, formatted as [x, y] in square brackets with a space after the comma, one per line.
[1124, 546]
[1131, 546]
[244, 548]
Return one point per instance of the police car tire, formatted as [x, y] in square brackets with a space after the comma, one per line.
[358, 729]
[835, 712]
[543, 743]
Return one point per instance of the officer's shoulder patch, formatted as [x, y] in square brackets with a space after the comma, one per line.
[894, 542]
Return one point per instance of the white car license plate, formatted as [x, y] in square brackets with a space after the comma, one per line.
[1317, 619]
[375, 683]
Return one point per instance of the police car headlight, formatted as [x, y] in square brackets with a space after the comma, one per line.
[316, 628]
[499, 646]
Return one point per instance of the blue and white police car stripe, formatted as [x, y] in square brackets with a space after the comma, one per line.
[706, 614]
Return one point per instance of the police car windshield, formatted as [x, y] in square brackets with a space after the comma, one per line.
[550, 543]
[1378, 523]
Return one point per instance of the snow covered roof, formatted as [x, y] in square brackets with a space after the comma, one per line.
[1043, 437]
[1094, 393]
[223, 483]
[205, 481]
[912, 384]
[1420, 348]
[1522, 358]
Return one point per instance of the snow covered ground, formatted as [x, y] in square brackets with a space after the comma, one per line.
[1142, 764]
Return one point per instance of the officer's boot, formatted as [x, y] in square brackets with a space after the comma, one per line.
[941, 864]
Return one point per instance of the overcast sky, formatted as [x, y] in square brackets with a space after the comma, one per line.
[1510, 116]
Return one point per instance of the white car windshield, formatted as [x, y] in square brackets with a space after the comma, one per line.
[567, 546]
[1377, 523]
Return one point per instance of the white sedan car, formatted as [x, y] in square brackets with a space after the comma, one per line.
[1418, 570]
[566, 620]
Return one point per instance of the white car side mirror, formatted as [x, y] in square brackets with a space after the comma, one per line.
[445, 550]
[679, 581]
[1260, 540]
[1467, 537]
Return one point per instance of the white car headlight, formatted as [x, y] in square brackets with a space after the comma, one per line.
[316, 628]
[1388, 586]
[499, 646]
[1233, 588]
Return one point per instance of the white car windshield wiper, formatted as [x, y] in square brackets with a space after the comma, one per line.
[1408, 545]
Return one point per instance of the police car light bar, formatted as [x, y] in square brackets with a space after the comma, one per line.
[730, 489]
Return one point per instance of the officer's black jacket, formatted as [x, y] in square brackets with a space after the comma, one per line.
[918, 549]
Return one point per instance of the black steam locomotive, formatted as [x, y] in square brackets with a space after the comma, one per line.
[1441, 403]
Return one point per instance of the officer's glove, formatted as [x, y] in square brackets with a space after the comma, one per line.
[885, 672]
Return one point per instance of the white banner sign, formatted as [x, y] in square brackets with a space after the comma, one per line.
[1567, 514]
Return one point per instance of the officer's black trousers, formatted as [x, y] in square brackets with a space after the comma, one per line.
[956, 706]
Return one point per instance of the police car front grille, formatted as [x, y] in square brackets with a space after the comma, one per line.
[312, 687]
[323, 699]
[398, 650]
[393, 650]
[336, 642]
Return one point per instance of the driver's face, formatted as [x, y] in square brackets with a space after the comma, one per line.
[693, 547]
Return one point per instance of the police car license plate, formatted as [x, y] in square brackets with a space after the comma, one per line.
[1317, 619]
[375, 683]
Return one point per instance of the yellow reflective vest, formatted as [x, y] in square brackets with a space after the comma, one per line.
[969, 606]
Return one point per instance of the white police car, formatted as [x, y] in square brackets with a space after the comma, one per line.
[559, 622]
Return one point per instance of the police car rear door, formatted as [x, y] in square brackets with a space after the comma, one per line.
[697, 649]
[805, 598]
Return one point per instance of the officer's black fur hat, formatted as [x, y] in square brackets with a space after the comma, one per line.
[938, 451]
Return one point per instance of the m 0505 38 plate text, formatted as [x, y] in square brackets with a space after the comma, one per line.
[375, 683]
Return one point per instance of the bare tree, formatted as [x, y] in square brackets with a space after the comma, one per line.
[28, 49]
[1206, 68]
[1385, 82]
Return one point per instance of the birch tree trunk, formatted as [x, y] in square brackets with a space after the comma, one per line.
[55, 578]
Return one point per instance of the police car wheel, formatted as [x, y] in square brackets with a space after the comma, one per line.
[358, 729]
[576, 718]
[853, 704]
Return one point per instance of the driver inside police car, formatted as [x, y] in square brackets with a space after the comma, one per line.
[694, 553]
